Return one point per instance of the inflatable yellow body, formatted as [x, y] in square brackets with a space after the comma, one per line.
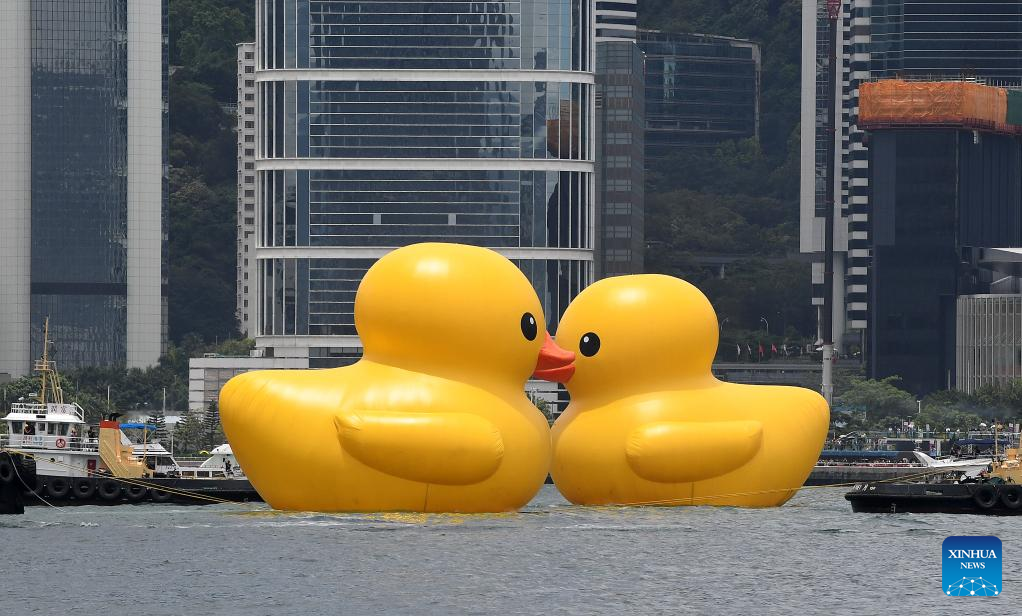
[649, 424]
[433, 418]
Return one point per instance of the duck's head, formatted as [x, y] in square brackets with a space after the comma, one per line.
[458, 311]
[638, 333]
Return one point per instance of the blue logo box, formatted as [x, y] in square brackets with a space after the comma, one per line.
[971, 566]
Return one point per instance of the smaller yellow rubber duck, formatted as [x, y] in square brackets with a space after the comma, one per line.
[649, 424]
[433, 418]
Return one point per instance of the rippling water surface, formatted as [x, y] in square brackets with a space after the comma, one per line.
[811, 556]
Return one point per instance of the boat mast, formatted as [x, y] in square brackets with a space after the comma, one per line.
[47, 370]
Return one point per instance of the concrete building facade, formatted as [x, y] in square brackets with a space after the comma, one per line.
[246, 224]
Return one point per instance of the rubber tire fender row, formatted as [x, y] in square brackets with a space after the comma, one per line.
[1011, 496]
[58, 488]
[84, 489]
[985, 496]
[109, 490]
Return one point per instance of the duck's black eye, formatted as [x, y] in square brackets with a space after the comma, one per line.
[589, 344]
[529, 328]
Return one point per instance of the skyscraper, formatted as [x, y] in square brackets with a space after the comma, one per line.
[246, 225]
[379, 128]
[620, 162]
[880, 39]
[82, 179]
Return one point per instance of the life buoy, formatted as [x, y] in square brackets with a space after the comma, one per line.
[160, 496]
[985, 496]
[84, 489]
[135, 493]
[109, 490]
[60, 443]
[58, 488]
[1011, 496]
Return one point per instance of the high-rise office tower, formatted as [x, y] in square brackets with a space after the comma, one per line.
[82, 181]
[381, 127]
[246, 223]
[880, 39]
[620, 160]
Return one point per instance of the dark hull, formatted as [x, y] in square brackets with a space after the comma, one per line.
[108, 491]
[981, 499]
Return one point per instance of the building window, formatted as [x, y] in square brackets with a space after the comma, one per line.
[249, 55]
[619, 255]
[618, 162]
[621, 231]
[249, 138]
[250, 97]
[249, 124]
[619, 91]
[620, 184]
[250, 193]
[619, 138]
[249, 151]
[250, 165]
[618, 209]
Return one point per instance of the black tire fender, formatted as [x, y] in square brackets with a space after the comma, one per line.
[58, 487]
[109, 490]
[135, 493]
[84, 489]
[984, 495]
[1011, 496]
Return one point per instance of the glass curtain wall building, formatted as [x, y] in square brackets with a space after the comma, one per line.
[700, 90]
[85, 208]
[385, 123]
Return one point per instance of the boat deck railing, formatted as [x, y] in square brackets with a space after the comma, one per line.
[39, 409]
[49, 441]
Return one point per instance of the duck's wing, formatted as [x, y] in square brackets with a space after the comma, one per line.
[442, 448]
[675, 452]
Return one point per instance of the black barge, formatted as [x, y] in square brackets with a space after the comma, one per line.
[984, 498]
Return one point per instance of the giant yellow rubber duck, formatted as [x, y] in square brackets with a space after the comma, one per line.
[649, 424]
[433, 418]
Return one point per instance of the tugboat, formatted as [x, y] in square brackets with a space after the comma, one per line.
[77, 464]
[996, 491]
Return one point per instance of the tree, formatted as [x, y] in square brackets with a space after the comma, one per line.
[188, 435]
[158, 419]
[877, 400]
[211, 426]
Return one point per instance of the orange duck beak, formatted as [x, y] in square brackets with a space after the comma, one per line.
[555, 364]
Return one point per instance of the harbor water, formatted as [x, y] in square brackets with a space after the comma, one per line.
[811, 556]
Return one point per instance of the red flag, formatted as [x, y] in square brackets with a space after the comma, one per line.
[761, 351]
[773, 349]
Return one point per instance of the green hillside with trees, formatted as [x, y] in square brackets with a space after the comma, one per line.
[203, 164]
[741, 199]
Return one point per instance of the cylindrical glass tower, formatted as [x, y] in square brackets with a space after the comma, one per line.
[385, 123]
